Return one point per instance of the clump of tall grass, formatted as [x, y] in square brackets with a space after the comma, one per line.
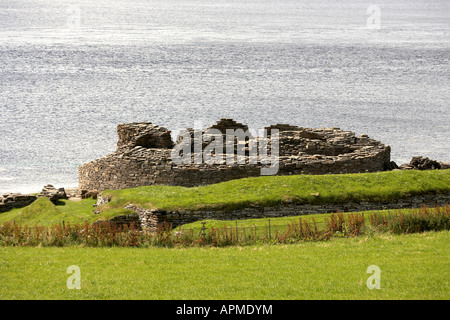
[351, 225]
[419, 220]
[107, 234]
[302, 231]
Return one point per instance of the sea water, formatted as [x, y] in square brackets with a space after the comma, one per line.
[71, 71]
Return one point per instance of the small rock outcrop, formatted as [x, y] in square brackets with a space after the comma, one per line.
[424, 163]
[52, 193]
[86, 194]
[15, 200]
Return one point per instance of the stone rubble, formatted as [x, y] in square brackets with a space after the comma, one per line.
[10, 201]
[52, 193]
[424, 163]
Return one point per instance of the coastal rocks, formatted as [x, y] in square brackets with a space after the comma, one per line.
[15, 200]
[424, 163]
[52, 193]
[391, 166]
[73, 193]
[86, 194]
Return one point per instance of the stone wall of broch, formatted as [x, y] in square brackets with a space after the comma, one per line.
[143, 157]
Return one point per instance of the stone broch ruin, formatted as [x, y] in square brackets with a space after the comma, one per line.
[143, 157]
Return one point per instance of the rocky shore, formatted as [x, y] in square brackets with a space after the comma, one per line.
[424, 163]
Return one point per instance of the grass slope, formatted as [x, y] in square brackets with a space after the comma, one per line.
[279, 223]
[44, 212]
[274, 190]
[415, 266]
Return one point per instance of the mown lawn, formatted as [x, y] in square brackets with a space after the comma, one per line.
[415, 266]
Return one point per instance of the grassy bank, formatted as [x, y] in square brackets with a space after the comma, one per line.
[266, 191]
[44, 212]
[274, 190]
[415, 266]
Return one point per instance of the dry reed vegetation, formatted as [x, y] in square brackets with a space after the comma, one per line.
[107, 234]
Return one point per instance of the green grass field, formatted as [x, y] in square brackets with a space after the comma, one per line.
[43, 212]
[415, 266]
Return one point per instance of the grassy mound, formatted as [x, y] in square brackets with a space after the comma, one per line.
[236, 194]
[40, 209]
[275, 190]
[44, 212]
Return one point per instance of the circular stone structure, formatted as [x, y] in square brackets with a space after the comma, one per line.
[144, 157]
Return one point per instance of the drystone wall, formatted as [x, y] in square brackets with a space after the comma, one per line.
[10, 201]
[144, 157]
[150, 219]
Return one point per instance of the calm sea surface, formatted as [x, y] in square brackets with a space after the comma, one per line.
[71, 71]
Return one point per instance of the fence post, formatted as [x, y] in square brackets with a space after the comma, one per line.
[270, 234]
[237, 235]
[203, 229]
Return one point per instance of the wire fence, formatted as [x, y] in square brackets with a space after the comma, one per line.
[240, 228]
[237, 232]
[242, 233]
